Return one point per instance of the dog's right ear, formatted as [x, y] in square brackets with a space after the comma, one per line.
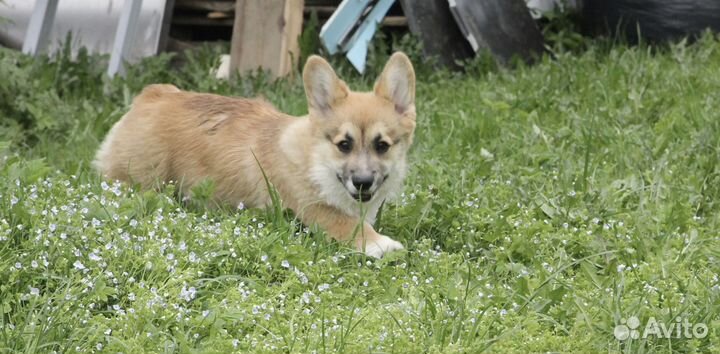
[322, 86]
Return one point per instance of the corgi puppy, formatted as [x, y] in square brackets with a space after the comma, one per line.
[334, 167]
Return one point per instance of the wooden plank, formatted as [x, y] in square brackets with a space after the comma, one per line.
[395, 21]
[206, 5]
[504, 27]
[219, 14]
[202, 21]
[327, 11]
[265, 35]
[338, 28]
[292, 31]
[321, 10]
[41, 22]
[323, 2]
[357, 46]
[166, 24]
[124, 36]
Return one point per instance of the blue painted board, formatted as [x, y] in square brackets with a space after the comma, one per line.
[341, 22]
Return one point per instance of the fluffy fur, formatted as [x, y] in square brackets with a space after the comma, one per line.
[333, 167]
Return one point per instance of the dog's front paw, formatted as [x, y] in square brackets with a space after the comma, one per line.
[380, 245]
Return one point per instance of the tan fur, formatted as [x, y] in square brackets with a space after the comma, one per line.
[186, 137]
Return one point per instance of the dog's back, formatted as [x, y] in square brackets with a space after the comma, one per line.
[172, 135]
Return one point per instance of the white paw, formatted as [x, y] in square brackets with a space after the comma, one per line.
[381, 245]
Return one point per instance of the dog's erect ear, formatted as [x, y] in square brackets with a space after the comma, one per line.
[397, 83]
[322, 86]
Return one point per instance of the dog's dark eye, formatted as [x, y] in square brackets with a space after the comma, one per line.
[345, 146]
[381, 147]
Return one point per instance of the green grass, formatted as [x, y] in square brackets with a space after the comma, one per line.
[545, 206]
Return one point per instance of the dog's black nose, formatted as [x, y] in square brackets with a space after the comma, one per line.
[363, 183]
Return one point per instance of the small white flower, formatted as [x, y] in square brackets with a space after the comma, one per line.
[78, 265]
[241, 206]
[18, 265]
[486, 154]
[34, 264]
[34, 291]
[187, 294]
[285, 264]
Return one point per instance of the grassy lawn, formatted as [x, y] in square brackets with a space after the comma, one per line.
[545, 206]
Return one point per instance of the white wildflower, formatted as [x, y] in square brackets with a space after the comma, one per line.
[187, 294]
[78, 265]
[34, 291]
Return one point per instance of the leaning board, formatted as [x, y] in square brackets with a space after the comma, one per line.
[265, 35]
[432, 22]
[504, 27]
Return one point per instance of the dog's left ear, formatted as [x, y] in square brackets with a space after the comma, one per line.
[397, 83]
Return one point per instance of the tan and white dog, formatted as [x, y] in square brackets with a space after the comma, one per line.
[333, 167]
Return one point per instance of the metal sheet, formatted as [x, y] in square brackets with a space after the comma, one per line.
[92, 23]
[432, 22]
[504, 27]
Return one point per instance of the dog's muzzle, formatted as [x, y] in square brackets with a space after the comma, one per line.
[361, 188]
[363, 185]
